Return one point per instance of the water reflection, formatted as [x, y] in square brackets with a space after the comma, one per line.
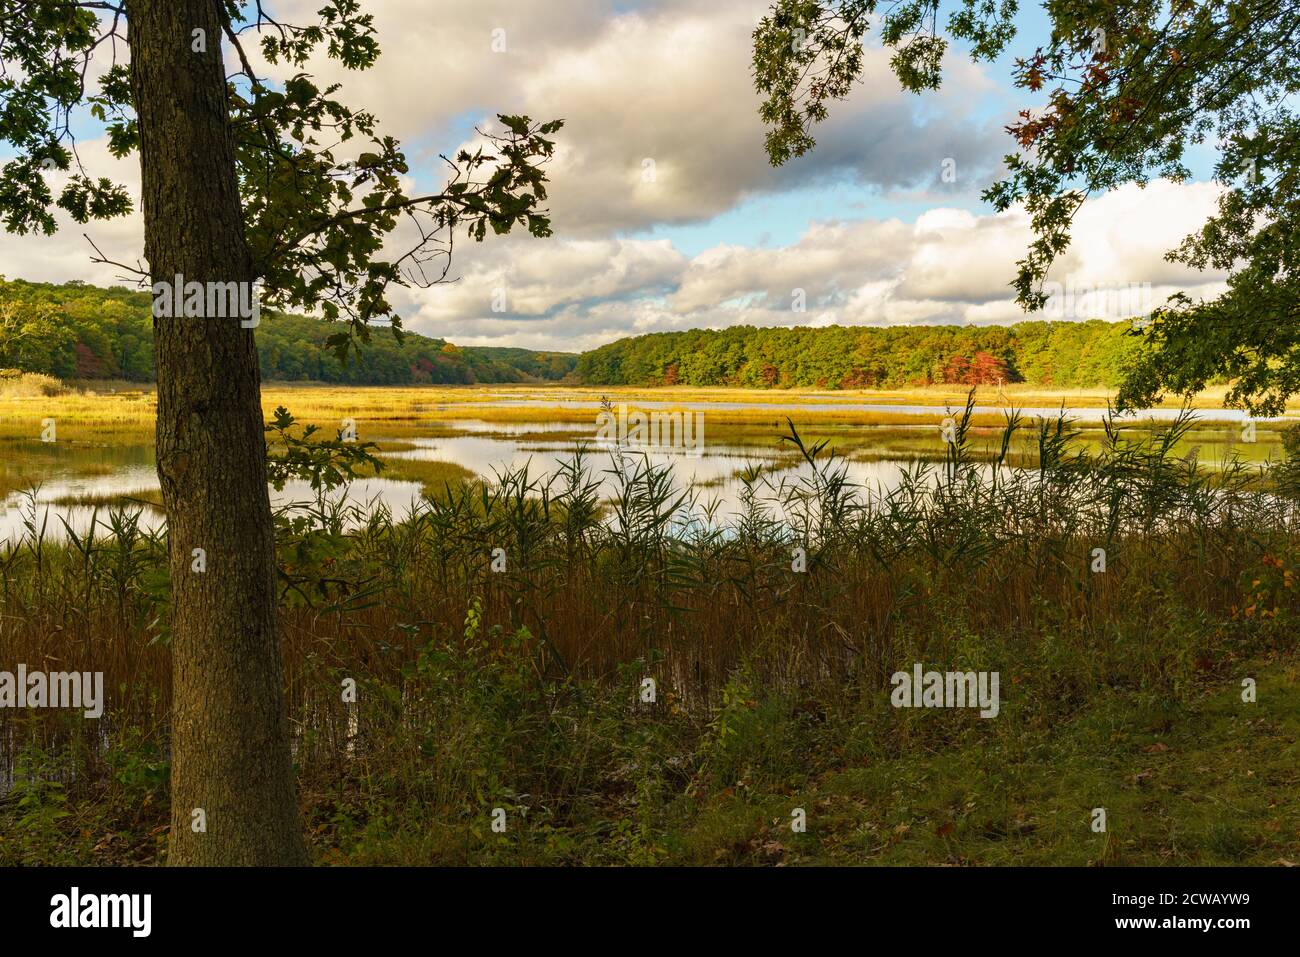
[73, 476]
[1080, 414]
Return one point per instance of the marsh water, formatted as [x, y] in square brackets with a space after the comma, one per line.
[70, 484]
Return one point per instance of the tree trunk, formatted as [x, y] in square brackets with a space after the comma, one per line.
[231, 764]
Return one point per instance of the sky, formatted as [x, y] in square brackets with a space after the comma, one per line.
[667, 215]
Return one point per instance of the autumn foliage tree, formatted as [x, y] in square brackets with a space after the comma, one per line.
[980, 369]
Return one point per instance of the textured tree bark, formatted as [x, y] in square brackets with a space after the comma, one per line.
[230, 742]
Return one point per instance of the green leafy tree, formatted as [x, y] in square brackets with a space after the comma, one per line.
[1127, 90]
[1090, 354]
[31, 339]
[117, 325]
[242, 180]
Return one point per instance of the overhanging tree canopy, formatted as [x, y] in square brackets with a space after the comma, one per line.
[1132, 88]
[317, 208]
[242, 180]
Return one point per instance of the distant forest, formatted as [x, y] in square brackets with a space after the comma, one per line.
[1090, 354]
[78, 331]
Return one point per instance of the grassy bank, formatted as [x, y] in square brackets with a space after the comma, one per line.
[1196, 779]
[131, 409]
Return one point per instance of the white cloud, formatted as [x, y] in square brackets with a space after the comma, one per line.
[670, 83]
[67, 255]
[949, 266]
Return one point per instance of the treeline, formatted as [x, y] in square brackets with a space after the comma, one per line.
[1069, 354]
[78, 331]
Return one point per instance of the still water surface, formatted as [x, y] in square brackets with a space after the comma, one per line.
[69, 471]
